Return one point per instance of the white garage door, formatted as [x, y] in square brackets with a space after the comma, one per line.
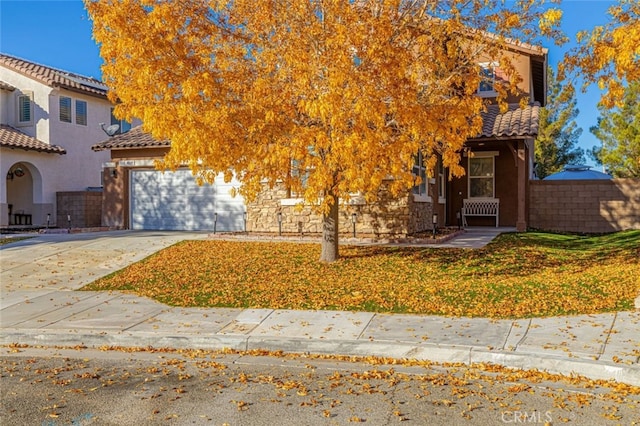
[174, 201]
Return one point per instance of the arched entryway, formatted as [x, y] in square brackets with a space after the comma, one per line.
[24, 193]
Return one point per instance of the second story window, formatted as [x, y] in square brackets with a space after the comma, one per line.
[125, 126]
[65, 109]
[25, 110]
[488, 71]
[81, 112]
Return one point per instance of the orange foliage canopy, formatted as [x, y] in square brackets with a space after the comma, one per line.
[330, 97]
[609, 55]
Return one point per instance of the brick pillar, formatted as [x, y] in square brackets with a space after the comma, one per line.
[521, 221]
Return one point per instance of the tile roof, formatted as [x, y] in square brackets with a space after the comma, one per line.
[134, 138]
[14, 138]
[53, 77]
[515, 122]
[6, 86]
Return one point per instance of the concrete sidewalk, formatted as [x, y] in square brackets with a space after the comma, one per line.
[39, 306]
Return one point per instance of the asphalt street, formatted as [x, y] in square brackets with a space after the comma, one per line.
[91, 387]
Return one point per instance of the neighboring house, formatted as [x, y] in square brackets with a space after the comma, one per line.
[49, 119]
[493, 192]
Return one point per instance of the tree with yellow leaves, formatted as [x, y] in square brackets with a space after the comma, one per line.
[330, 97]
[609, 55]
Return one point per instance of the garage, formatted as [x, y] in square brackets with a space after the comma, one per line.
[174, 201]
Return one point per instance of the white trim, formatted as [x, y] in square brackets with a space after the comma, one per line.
[422, 198]
[493, 174]
[488, 93]
[136, 163]
[357, 200]
[291, 201]
[484, 154]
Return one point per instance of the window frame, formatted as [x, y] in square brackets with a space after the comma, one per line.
[493, 68]
[125, 126]
[84, 114]
[62, 108]
[442, 182]
[29, 97]
[482, 155]
[420, 191]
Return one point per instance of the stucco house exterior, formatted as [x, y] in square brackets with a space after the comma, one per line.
[49, 119]
[494, 191]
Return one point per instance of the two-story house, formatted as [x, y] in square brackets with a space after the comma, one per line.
[494, 191]
[49, 119]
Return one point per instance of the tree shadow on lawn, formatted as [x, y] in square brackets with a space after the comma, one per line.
[517, 254]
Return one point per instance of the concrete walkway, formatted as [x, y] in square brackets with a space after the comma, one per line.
[39, 306]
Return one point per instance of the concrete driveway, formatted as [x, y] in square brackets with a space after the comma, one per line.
[54, 262]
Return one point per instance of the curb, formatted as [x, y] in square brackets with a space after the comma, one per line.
[343, 239]
[438, 353]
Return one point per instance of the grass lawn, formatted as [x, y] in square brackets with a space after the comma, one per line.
[516, 276]
[9, 240]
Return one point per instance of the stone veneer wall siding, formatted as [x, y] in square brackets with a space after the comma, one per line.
[84, 207]
[587, 206]
[399, 216]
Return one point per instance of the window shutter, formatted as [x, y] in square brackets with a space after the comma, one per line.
[24, 109]
[81, 112]
[65, 109]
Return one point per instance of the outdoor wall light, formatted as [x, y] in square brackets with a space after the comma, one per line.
[114, 173]
[279, 217]
[434, 221]
[353, 221]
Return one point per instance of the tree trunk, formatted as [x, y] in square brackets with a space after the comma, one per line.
[329, 251]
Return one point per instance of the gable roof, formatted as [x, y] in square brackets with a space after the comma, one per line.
[134, 138]
[515, 122]
[55, 78]
[14, 138]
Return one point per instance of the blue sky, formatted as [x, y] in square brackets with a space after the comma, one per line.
[57, 33]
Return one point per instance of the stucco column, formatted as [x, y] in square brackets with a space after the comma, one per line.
[521, 222]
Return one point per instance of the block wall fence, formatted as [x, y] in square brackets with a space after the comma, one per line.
[588, 206]
[84, 208]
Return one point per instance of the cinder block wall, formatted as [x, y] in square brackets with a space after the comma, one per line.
[589, 206]
[84, 207]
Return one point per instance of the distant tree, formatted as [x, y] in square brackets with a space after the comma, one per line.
[619, 131]
[558, 132]
[331, 97]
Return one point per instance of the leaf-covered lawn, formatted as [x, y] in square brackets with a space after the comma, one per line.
[517, 275]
